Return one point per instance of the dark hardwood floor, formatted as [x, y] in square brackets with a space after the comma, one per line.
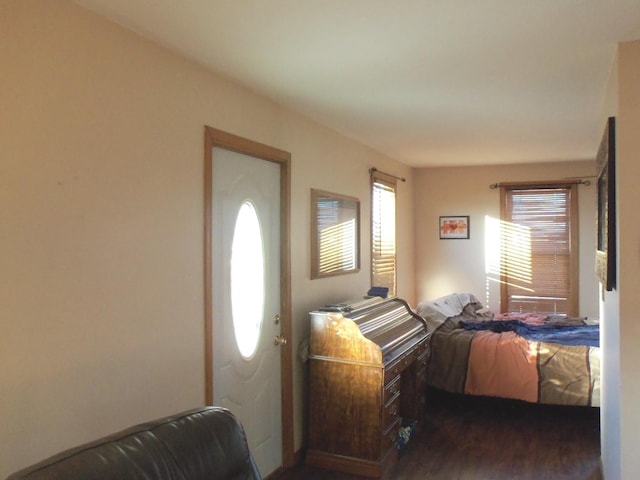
[481, 438]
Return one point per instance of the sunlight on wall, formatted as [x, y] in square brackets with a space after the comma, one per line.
[491, 255]
[507, 253]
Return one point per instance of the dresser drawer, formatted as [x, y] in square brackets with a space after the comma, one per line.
[392, 371]
[391, 389]
[423, 359]
[398, 366]
[391, 410]
[390, 436]
[423, 346]
[424, 349]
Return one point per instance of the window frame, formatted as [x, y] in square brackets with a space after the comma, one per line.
[390, 183]
[572, 300]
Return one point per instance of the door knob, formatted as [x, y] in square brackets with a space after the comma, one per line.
[279, 340]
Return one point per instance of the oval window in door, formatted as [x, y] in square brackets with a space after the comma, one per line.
[247, 280]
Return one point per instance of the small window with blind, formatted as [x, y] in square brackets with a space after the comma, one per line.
[383, 231]
[539, 248]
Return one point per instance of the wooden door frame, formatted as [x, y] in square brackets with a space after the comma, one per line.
[217, 138]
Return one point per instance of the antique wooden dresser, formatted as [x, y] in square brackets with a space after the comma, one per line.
[368, 362]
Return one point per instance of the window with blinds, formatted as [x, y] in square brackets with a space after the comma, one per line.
[539, 249]
[383, 232]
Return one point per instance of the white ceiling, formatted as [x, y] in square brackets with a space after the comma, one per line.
[428, 82]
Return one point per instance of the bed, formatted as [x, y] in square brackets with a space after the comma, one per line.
[532, 357]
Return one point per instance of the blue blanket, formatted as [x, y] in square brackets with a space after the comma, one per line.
[588, 335]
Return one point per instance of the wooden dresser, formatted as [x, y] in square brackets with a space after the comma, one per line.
[368, 363]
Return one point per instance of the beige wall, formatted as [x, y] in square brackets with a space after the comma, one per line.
[628, 174]
[610, 334]
[620, 329]
[446, 266]
[101, 224]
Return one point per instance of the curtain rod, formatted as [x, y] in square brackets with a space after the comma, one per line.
[374, 169]
[568, 181]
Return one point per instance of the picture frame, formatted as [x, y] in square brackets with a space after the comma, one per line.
[454, 227]
[605, 261]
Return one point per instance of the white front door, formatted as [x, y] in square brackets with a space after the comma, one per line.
[245, 246]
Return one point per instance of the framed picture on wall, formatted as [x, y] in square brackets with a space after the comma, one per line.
[606, 214]
[454, 227]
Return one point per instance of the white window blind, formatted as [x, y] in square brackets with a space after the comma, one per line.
[383, 232]
[539, 250]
